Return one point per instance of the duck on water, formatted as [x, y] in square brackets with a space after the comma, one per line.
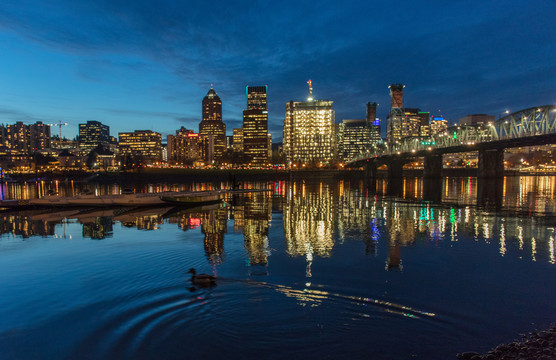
[201, 280]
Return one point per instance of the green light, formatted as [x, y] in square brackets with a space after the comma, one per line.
[455, 135]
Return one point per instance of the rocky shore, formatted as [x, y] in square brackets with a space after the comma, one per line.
[537, 346]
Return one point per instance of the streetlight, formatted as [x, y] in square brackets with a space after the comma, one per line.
[506, 112]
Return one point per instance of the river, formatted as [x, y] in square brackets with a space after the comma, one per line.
[310, 269]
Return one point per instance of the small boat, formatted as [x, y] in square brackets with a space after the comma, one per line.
[193, 200]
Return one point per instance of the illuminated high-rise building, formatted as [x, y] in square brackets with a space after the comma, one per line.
[257, 97]
[404, 122]
[356, 137]
[425, 125]
[309, 131]
[238, 140]
[411, 122]
[26, 139]
[92, 134]
[438, 125]
[255, 126]
[212, 129]
[185, 147]
[396, 116]
[143, 146]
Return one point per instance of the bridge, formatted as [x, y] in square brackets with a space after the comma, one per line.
[529, 127]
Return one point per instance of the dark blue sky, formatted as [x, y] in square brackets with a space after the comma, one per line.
[148, 64]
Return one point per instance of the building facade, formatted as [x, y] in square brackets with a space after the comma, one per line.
[27, 139]
[141, 147]
[356, 137]
[212, 129]
[238, 140]
[405, 122]
[438, 125]
[395, 118]
[309, 134]
[255, 126]
[92, 134]
[184, 148]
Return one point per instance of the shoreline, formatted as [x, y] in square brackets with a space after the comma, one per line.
[537, 345]
[149, 175]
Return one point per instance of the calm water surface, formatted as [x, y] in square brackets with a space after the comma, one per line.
[309, 269]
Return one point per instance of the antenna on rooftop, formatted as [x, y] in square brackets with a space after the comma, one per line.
[310, 90]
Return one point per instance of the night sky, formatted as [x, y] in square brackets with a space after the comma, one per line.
[148, 64]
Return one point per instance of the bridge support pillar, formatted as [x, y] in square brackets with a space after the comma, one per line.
[433, 166]
[491, 164]
[395, 169]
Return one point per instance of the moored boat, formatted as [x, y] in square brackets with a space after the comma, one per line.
[193, 200]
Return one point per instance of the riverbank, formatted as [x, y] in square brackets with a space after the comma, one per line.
[534, 346]
[171, 175]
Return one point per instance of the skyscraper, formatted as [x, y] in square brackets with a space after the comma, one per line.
[255, 126]
[411, 122]
[356, 137]
[257, 97]
[396, 116]
[142, 146]
[92, 134]
[438, 124]
[309, 131]
[184, 148]
[212, 129]
[26, 139]
[238, 140]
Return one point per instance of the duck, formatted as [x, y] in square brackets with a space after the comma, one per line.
[202, 280]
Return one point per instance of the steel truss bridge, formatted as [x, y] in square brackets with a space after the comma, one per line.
[528, 127]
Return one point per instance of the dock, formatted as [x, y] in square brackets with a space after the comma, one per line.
[173, 198]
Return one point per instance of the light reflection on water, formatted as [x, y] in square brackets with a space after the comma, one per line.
[357, 258]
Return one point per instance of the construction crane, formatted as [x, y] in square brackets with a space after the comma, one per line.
[60, 124]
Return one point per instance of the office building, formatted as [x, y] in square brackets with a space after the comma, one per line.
[255, 126]
[309, 131]
[356, 137]
[404, 122]
[27, 139]
[257, 97]
[438, 125]
[142, 147]
[212, 129]
[184, 148]
[395, 118]
[92, 134]
[238, 140]
[425, 126]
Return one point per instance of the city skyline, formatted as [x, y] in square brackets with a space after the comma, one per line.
[140, 66]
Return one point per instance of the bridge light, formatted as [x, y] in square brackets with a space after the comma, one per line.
[412, 150]
[398, 153]
[429, 148]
